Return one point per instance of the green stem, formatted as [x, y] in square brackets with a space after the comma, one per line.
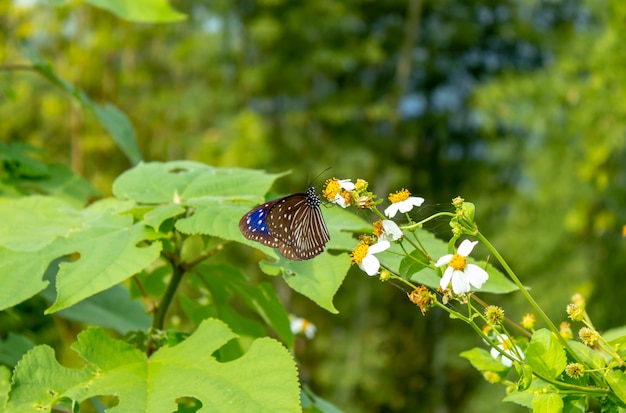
[521, 287]
[159, 317]
[402, 280]
[425, 220]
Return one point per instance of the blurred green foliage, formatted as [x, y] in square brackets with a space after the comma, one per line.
[516, 105]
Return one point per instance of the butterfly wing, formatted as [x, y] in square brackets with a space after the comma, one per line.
[293, 224]
[253, 225]
[297, 221]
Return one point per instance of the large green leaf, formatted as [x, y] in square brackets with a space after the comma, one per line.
[108, 256]
[192, 183]
[318, 279]
[102, 242]
[263, 380]
[141, 11]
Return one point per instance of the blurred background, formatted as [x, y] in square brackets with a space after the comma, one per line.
[517, 106]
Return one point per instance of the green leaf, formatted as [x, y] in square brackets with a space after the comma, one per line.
[108, 256]
[194, 182]
[141, 11]
[13, 348]
[525, 398]
[525, 375]
[118, 125]
[225, 282]
[102, 242]
[617, 380]
[587, 355]
[27, 244]
[5, 385]
[412, 264]
[312, 403]
[111, 308]
[63, 183]
[156, 216]
[263, 380]
[36, 222]
[482, 361]
[318, 279]
[616, 336]
[573, 404]
[545, 354]
[547, 403]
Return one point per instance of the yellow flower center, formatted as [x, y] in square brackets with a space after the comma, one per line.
[528, 321]
[361, 184]
[359, 253]
[458, 262]
[332, 189]
[378, 228]
[401, 195]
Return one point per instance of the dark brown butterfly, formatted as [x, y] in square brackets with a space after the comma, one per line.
[294, 224]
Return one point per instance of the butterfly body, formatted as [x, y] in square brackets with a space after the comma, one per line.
[293, 224]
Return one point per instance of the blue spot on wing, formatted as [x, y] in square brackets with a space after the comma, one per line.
[256, 221]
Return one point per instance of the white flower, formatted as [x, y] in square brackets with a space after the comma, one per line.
[346, 184]
[363, 255]
[509, 348]
[301, 325]
[339, 200]
[336, 191]
[401, 201]
[391, 231]
[460, 272]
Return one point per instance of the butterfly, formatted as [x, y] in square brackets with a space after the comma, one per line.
[294, 224]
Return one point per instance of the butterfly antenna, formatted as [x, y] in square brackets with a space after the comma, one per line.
[318, 175]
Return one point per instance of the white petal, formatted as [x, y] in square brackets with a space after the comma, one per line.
[416, 200]
[309, 331]
[339, 200]
[405, 206]
[297, 324]
[370, 264]
[444, 260]
[445, 280]
[391, 230]
[494, 353]
[466, 247]
[380, 246]
[391, 210]
[460, 284]
[476, 275]
[347, 185]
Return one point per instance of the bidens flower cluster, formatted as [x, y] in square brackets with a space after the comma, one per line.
[553, 369]
[458, 273]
